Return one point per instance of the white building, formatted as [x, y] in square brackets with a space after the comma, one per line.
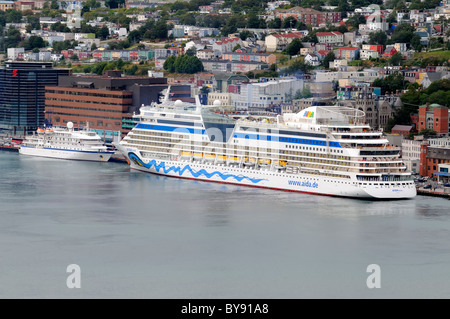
[439, 142]
[262, 95]
[411, 154]
[15, 53]
[374, 23]
[312, 59]
[368, 54]
[206, 54]
[276, 42]
[333, 37]
[367, 75]
[45, 56]
[224, 98]
[226, 45]
[338, 63]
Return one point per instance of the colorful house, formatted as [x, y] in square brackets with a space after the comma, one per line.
[390, 51]
[347, 53]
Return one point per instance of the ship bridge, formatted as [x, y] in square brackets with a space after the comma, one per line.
[325, 115]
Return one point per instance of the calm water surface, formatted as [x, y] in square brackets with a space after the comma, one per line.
[136, 235]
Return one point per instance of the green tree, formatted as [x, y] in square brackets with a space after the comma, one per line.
[54, 5]
[427, 132]
[114, 4]
[245, 34]
[161, 29]
[392, 17]
[403, 33]
[289, 23]
[343, 8]
[392, 83]
[355, 20]
[132, 70]
[252, 21]
[299, 65]
[396, 59]
[134, 36]
[275, 23]
[87, 69]
[120, 64]
[98, 68]
[192, 51]
[306, 92]
[102, 33]
[12, 38]
[33, 21]
[378, 37]
[415, 43]
[330, 57]
[294, 47]
[169, 64]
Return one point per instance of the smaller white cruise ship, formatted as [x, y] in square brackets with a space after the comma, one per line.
[66, 143]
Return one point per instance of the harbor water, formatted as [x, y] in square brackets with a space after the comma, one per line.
[137, 235]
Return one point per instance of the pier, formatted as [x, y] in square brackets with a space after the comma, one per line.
[438, 192]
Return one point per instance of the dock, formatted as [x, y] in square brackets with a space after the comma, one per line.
[438, 192]
[9, 148]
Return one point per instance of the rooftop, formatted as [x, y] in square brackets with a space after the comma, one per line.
[402, 128]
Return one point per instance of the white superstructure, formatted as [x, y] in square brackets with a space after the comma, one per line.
[66, 143]
[321, 150]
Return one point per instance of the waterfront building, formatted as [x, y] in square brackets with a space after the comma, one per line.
[102, 102]
[432, 153]
[22, 94]
[411, 153]
[443, 173]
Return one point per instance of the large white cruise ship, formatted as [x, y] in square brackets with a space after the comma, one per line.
[321, 150]
[66, 143]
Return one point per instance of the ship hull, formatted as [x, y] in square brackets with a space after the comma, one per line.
[266, 178]
[66, 154]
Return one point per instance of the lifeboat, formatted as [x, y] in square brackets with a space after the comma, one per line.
[279, 164]
[39, 130]
[186, 154]
[48, 131]
[264, 161]
[198, 155]
[250, 161]
[221, 158]
[235, 159]
[210, 157]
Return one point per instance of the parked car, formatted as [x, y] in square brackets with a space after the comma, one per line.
[427, 186]
[447, 185]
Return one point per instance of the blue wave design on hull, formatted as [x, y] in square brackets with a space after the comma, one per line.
[180, 171]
